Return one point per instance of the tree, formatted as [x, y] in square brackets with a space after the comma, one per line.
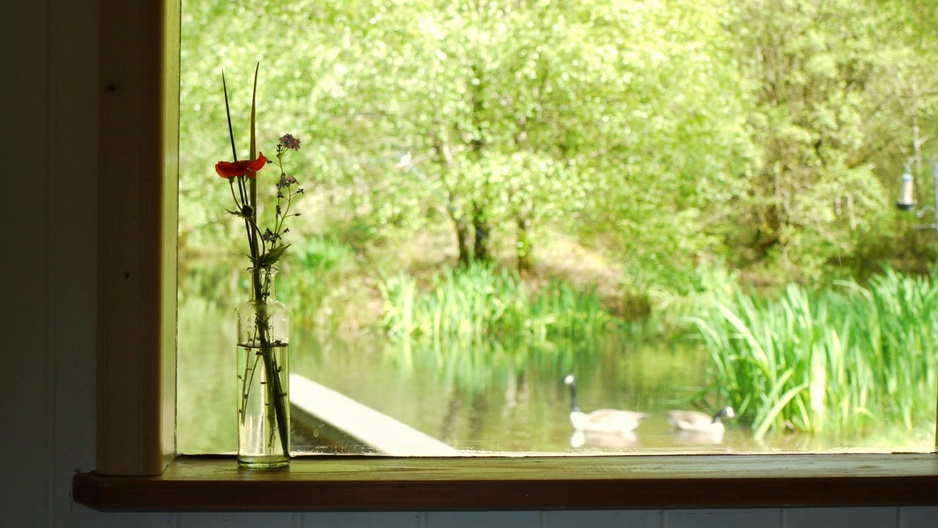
[662, 134]
[826, 76]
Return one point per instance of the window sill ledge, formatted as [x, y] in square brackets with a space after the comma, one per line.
[338, 483]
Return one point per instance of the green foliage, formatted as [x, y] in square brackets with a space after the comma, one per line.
[315, 281]
[763, 134]
[837, 100]
[843, 360]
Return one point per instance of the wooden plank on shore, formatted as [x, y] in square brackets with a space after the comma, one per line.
[372, 428]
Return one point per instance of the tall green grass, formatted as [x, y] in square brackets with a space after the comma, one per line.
[849, 359]
[479, 302]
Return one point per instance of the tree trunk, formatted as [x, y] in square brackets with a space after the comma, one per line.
[524, 246]
[482, 230]
[463, 235]
[462, 238]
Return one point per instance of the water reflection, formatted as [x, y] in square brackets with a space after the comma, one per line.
[615, 441]
[698, 437]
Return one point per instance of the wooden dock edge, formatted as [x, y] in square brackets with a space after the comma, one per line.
[374, 430]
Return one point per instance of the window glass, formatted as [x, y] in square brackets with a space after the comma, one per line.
[686, 206]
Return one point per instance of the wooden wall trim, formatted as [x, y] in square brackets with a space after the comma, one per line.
[137, 175]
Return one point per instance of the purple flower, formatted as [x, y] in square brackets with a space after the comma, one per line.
[286, 181]
[290, 142]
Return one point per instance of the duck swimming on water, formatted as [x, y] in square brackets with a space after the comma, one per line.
[698, 422]
[601, 420]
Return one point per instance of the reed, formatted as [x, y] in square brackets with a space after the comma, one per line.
[479, 302]
[848, 359]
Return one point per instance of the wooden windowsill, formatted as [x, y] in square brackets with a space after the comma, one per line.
[345, 483]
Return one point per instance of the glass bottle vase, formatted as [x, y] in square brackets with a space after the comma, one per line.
[263, 375]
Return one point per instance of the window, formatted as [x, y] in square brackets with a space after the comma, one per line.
[366, 107]
[136, 372]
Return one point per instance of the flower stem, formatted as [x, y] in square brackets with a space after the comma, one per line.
[274, 386]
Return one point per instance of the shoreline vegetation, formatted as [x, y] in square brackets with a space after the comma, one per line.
[845, 359]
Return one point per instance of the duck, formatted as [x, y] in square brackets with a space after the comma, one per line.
[608, 421]
[698, 422]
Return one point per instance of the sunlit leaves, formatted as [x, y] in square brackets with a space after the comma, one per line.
[625, 124]
[832, 98]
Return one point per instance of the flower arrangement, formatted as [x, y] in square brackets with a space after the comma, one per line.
[266, 247]
[263, 325]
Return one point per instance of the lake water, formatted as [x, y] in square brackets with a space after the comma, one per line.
[482, 398]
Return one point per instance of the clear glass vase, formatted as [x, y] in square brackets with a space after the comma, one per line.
[263, 375]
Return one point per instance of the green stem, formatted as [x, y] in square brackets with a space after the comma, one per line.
[246, 382]
[274, 386]
[234, 151]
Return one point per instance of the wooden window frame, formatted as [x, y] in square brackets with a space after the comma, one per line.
[137, 466]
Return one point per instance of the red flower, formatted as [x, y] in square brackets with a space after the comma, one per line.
[229, 169]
